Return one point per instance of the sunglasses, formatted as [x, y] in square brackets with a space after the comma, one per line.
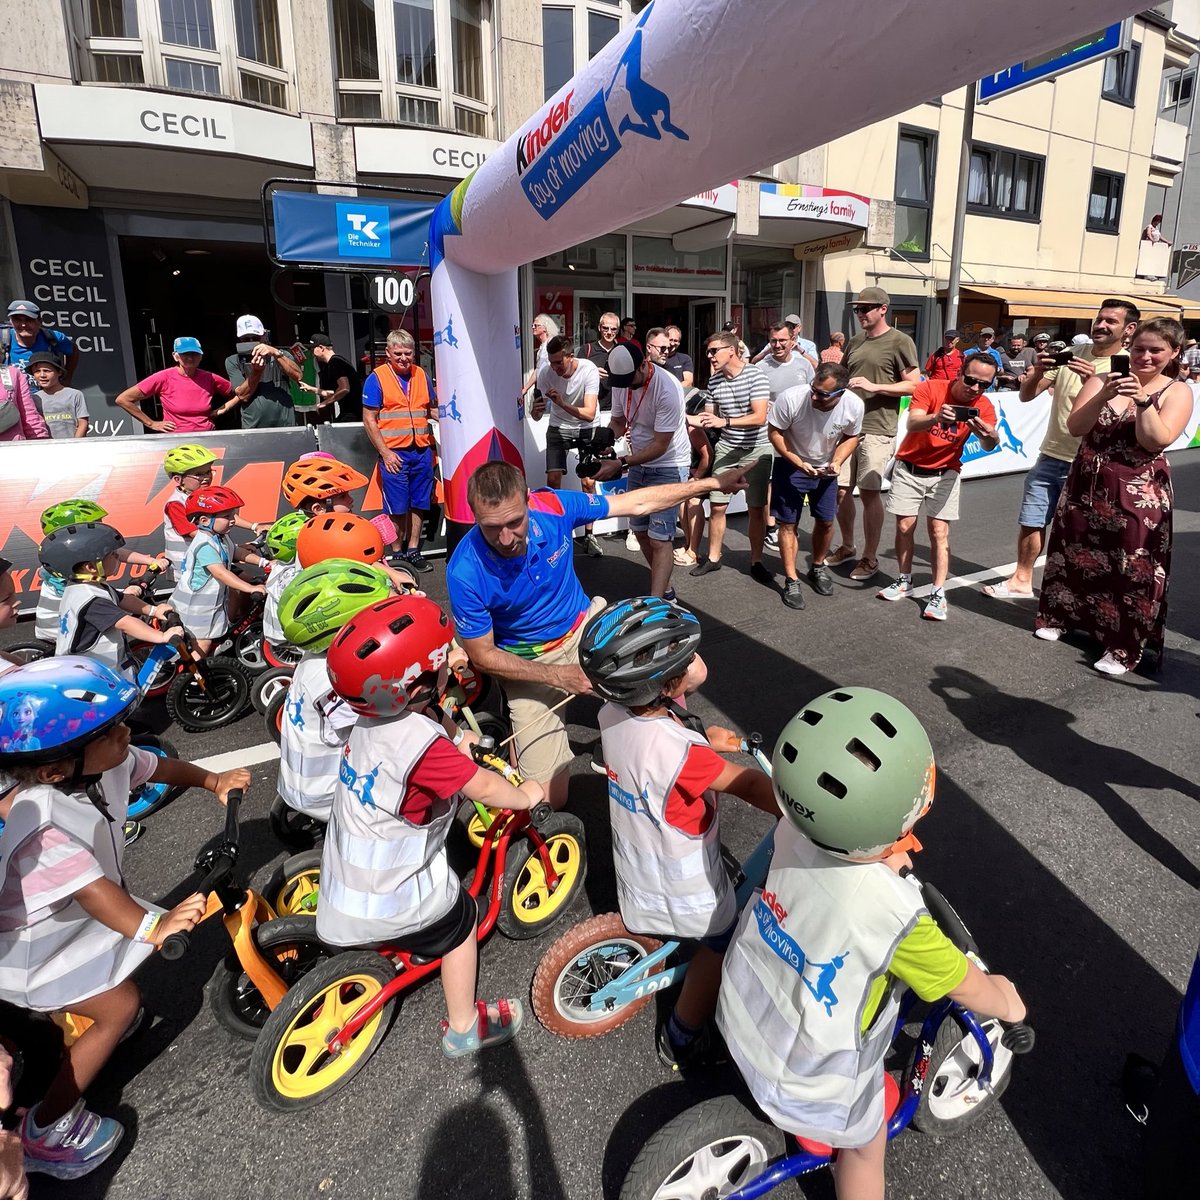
[979, 385]
[865, 308]
[820, 395]
[661, 347]
[715, 351]
[779, 341]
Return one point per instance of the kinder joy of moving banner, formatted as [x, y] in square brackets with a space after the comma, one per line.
[642, 127]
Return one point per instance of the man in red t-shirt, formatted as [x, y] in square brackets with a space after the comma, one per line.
[941, 416]
[947, 360]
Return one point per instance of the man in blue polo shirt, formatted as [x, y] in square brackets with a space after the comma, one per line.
[519, 608]
[26, 336]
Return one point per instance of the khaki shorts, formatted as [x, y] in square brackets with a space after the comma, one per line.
[937, 494]
[865, 467]
[543, 748]
[757, 460]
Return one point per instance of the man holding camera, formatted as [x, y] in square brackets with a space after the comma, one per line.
[941, 416]
[267, 373]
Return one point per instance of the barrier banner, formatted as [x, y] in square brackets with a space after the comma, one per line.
[349, 230]
[640, 128]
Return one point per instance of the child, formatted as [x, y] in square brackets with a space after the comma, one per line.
[200, 596]
[281, 546]
[318, 483]
[344, 535]
[190, 468]
[95, 619]
[313, 609]
[813, 978]
[64, 409]
[641, 656]
[77, 511]
[72, 935]
[385, 876]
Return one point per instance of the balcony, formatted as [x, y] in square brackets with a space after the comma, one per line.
[1170, 146]
[1154, 260]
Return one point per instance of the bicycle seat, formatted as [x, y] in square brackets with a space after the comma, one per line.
[891, 1101]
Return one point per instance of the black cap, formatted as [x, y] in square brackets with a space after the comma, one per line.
[320, 339]
[43, 356]
[623, 362]
[729, 327]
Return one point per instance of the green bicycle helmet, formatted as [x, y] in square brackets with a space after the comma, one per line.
[77, 511]
[281, 537]
[853, 771]
[183, 459]
[322, 598]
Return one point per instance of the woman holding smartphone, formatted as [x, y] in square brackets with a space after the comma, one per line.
[1108, 563]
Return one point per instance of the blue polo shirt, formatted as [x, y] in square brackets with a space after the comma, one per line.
[47, 340]
[531, 602]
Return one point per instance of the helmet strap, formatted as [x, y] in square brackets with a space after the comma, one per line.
[90, 786]
[687, 719]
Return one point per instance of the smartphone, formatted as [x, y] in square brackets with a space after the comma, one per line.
[963, 413]
[1120, 364]
[1063, 357]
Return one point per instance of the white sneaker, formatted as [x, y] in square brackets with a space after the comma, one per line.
[1110, 666]
[631, 543]
[898, 590]
[1048, 633]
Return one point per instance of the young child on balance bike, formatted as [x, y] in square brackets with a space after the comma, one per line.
[664, 773]
[823, 951]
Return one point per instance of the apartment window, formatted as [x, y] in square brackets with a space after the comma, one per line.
[1104, 202]
[413, 61]
[558, 48]
[573, 34]
[914, 192]
[212, 47]
[1120, 75]
[601, 29]
[1178, 89]
[1005, 183]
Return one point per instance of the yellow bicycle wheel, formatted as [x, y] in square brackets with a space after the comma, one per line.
[527, 905]
[293, 888]
[292, 1066]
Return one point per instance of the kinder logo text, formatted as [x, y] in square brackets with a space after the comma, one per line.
[364, 230]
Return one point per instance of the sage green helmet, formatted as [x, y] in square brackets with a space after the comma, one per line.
[323, 597]
[281, 537]
[71, 512]
[853, 771]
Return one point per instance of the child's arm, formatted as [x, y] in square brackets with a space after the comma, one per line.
[253, 526]
[243, 553]
[177, 515]
[402, 581]
[989, 995]
[749, 784]
[494, 791]
[111, 905]
[134, 627]
[158, 562]
[186, 774]
[230, 580]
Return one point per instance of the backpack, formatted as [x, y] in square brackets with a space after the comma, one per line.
[10, 414]
[6, 332]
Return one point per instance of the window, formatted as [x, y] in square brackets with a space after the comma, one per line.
[1178, 89]
[419, 62]
[1120, 75]
[212, 47]
[1005, 183]
[601, 30]
[1104, 202]
[575, 34]
[914, 192]
[558, 48]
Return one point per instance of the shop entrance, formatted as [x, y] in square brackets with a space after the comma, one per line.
[698, 318]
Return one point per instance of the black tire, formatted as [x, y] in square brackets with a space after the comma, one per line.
[293, 887]
[221, 698]
[247, 649]
[32, 651]
[150, 797]
[291, 945]
[527, 908]
[264, 686]
[492, 726]
[950, 1100]
[287, 1077]
[274, 716]
[738, 1142]
[295, 830]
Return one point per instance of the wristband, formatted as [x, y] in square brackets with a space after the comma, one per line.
[145, 931]
[458, 737]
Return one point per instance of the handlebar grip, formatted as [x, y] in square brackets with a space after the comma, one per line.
[541, 814]
[1018, 1038]
[233, 803]
[175, 946]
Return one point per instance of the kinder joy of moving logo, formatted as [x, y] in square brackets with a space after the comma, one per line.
[364, 230]
[564, 151]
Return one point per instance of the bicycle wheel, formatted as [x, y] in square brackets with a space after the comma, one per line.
[291, 946]
[294, 829]
[248, 649]
[527, 906]
[214, 700]
[275, 715]
[292, 889]
[264, 687]
[708, 1152]
[29, 652]
[291, 1067]
[577, 965]
[150, 797]
[952, 1099]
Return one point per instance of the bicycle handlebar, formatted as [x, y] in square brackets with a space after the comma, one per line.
[1018, 1037]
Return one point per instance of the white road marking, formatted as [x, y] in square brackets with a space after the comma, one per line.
[250, 757]
[984, 576]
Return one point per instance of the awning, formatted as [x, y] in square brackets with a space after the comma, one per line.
[1044, 302]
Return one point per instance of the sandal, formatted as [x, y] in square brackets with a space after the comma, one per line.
[684, 558]
[488, 1031]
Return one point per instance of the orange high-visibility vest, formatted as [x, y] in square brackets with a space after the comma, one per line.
[404, 420]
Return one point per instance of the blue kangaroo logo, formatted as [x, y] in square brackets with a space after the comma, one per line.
[446, 336]
[295, 714]
[362, 787]
[649, 103]
[823, 991]
[450, 411]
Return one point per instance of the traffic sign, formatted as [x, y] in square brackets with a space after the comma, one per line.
[1085, 49]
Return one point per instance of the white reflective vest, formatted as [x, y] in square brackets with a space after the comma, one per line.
[202, 610]
[49, 600]
[796, 983]
[281, 575]
[175, 544]
[669, 883]
[381, 875]
[316, 725]
[111, 647]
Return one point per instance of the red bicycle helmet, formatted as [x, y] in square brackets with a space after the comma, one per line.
[338, 535]
[377, 660]
[211, 502]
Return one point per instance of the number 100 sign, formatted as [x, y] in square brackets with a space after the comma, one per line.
[393, 293]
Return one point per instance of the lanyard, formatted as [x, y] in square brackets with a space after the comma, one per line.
[629, 420]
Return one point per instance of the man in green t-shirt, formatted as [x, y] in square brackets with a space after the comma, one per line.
[882, 363]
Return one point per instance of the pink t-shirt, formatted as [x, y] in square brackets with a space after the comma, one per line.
[187, 402]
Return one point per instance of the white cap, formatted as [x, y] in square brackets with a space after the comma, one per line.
[250, 326]
[1081, 339]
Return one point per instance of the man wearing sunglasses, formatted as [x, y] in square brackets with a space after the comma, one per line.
[814, 430]
[941, 417]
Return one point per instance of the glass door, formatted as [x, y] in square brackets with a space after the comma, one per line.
[704, 319]
[588, 307]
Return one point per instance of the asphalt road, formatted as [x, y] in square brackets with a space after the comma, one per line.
[1066, 831]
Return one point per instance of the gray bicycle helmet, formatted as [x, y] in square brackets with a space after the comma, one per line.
[62, 551]
[631, 648]
[853, 771]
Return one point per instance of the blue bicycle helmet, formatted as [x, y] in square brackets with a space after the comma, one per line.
[52, 708]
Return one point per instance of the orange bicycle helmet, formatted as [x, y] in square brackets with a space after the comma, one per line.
[338, 535]
[316, 478]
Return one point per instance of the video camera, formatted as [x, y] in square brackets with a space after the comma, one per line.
[601, 449]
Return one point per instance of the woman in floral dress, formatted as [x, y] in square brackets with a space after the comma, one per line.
[1109, 558]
